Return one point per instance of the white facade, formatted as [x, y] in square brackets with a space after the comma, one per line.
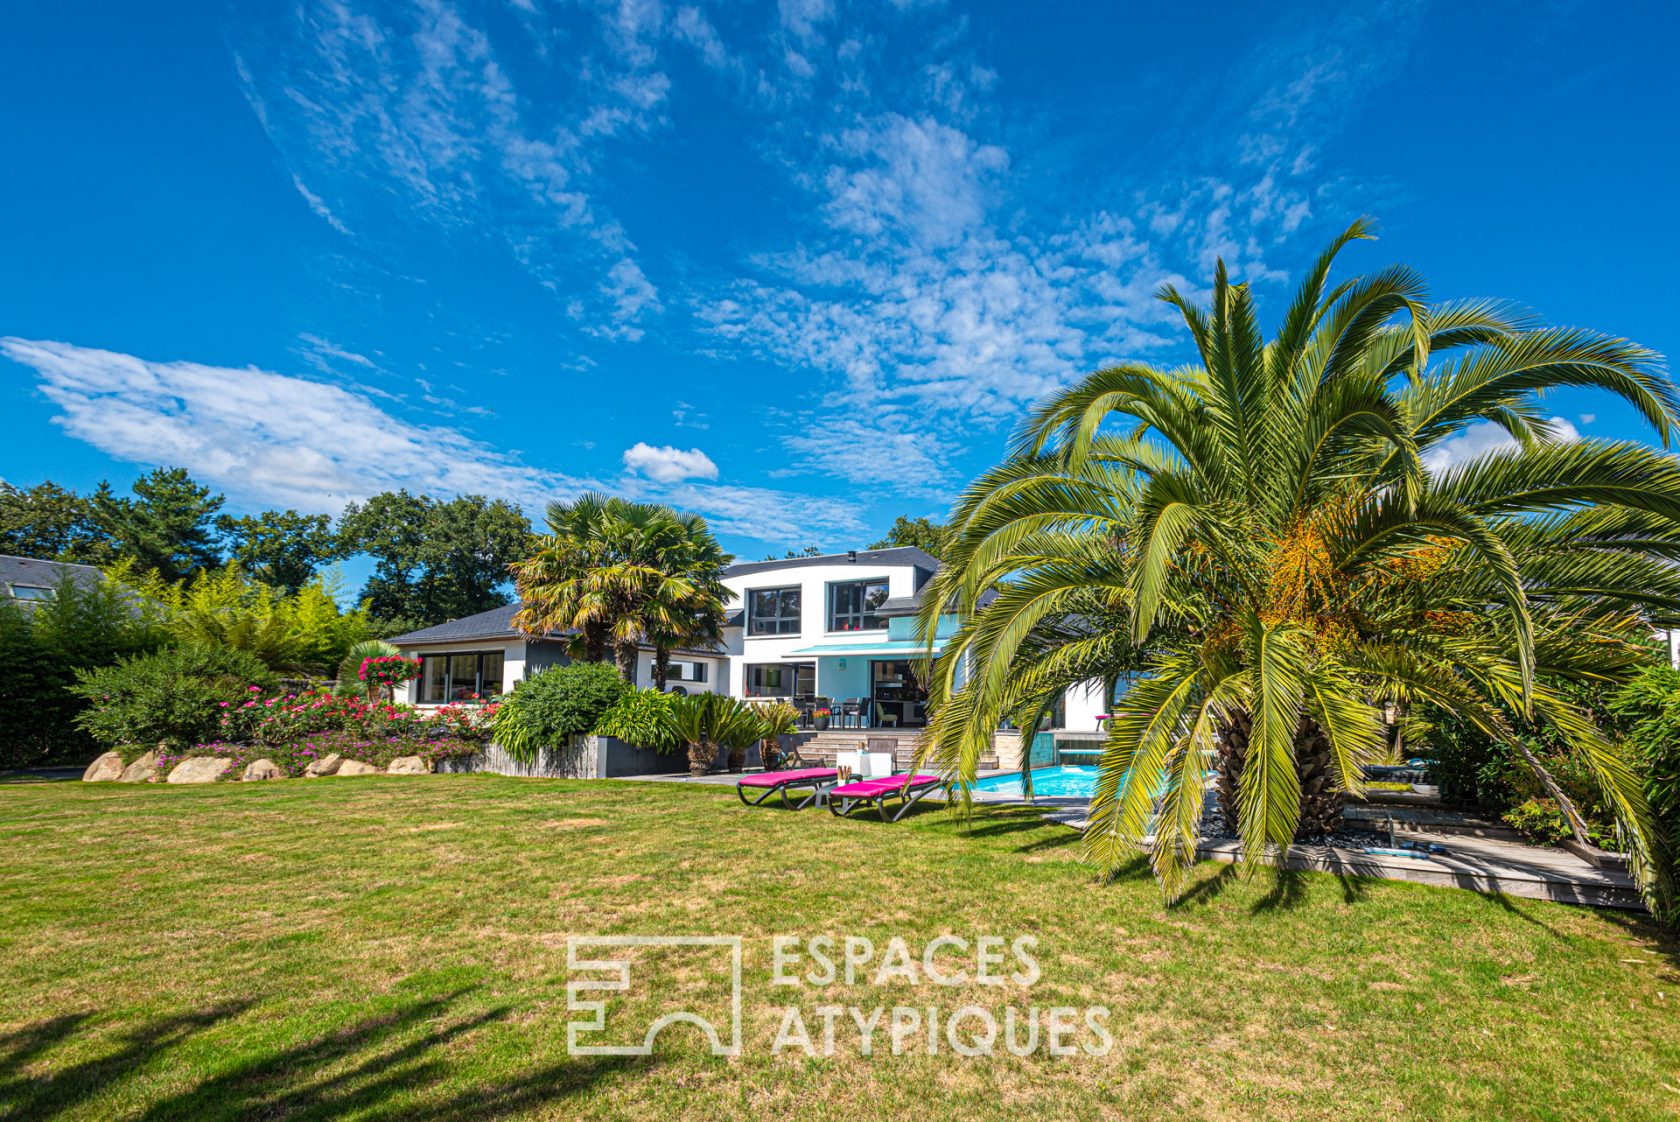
[838, 676]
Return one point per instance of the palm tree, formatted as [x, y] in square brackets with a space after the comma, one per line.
[618, 574]
[686, 608]
[1276, 543]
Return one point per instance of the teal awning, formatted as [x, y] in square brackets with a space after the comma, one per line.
[903, 648]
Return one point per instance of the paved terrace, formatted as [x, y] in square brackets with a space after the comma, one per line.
[1496, 866]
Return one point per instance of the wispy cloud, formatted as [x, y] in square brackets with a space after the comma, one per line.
[268, 438]
[938, 290]
[1482, 439]
[419, 105]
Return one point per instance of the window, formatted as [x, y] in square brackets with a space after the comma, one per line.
[680, 670]
[781, 679]
[773, 611]
[31, 592]
[852, 606]
[458, 677]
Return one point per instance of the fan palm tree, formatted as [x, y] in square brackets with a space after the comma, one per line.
[1278, 540]
[686, 607]
[616, 574]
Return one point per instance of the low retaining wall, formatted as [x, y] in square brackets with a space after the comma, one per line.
[586, 757]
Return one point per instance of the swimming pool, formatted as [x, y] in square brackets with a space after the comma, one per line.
[1061, 782]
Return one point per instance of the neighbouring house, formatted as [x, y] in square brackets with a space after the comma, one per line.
[27, 581]
[484, 655]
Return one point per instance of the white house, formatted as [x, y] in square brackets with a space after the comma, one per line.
[836, 630]
[839, 627]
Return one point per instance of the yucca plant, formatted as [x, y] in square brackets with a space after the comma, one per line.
[1273, 542]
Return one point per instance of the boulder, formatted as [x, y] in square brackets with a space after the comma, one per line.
[356, 767]
[105, 769]
[326, 765]
[409, 765]
[200, 769]
[262, 769]
[142, 770]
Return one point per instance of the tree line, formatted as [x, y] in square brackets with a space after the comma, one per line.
[434, 559]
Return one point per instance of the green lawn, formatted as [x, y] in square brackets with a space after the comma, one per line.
[396, 948]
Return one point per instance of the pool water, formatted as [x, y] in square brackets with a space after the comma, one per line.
[1060, 782]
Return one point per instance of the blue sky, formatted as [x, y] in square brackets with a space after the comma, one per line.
[797, 266]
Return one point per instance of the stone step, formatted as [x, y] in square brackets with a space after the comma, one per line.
[1428, 819]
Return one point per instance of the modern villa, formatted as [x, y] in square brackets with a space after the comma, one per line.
[835, 632]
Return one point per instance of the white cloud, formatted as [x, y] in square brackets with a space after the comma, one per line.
[666, 464]
[267, 438]
[1485, 438]
[1588, 418]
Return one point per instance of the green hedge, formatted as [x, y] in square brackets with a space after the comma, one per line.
[41, 649]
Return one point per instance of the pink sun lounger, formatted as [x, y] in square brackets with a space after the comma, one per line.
[910, 790]
[768, 784]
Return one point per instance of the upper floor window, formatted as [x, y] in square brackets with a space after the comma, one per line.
[773, 611]
[852, 606]
[31, 592]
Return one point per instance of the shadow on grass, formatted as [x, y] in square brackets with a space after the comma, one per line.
[24, 1097]
[374, 1068]
[39, 775]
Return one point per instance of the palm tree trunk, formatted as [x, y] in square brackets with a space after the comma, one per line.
[1315, 767]
[625, 655]
[1321, 799]
[661, 667]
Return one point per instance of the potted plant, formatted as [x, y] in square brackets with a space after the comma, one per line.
[382, 674]
[707, 722]
[819, 718]
[779, 720]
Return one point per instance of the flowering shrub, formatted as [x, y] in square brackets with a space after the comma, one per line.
[280, 718]
[297, 727]
[389, 671]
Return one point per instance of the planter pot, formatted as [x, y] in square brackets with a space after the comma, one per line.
[820, 723]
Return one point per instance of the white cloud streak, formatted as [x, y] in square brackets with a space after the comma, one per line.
[268, 438]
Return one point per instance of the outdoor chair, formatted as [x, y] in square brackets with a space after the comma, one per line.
[767, 784]
[907, 789]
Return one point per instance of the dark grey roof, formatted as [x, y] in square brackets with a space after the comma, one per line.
[736, 618]
[497, 623]
[897, 555]
[45, 574]
[910, 605]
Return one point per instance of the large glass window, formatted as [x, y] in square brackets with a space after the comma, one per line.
[852, 606]
[459, 677]
[773, 611]
[781, 679]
